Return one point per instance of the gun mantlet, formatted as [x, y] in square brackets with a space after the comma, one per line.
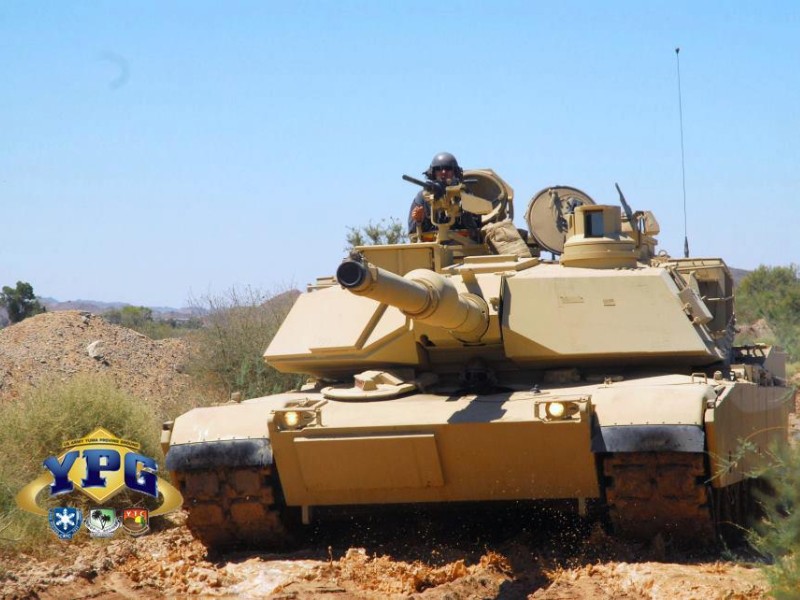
[422, 295]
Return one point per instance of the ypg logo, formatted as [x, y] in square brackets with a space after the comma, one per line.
[100, 465]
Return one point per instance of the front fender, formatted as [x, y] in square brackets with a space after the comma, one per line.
[219, 436]
[659, 414]
[219, 453]
[648, 438]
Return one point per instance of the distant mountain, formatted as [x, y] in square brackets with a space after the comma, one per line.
[285, 300]
[738, 275]
[159, 312]
[94, 306]
[97, 307]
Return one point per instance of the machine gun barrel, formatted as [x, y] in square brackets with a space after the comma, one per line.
[423, 295]
[419, 182]
[437, 188]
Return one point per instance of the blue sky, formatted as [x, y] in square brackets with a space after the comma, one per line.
[151, 152]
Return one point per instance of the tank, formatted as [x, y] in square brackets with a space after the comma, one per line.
[570, 361]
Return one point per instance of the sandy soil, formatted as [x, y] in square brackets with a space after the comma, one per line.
[403, 560]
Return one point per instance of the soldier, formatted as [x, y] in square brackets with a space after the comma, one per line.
[444, 168]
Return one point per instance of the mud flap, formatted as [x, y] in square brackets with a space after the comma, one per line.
[648, 438]
[220, 453]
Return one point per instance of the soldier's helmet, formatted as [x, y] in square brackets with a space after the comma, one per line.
[443, 160]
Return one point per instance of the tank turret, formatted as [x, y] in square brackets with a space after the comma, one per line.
[598, 305]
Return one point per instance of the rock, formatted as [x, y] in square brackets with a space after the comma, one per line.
[95, 349]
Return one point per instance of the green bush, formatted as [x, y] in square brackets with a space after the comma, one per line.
[35, 426]
[228, 351]
[777, 535]
[792, 368]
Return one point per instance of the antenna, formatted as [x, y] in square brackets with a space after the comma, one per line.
[683, 162]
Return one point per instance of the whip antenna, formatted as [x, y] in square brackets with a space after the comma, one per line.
[683, 162]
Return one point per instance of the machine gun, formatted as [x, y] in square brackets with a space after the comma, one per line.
[447, 202]
[437, 188]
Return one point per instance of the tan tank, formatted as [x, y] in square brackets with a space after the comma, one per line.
[452, 370]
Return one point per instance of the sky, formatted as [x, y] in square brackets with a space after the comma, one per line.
[157, 153]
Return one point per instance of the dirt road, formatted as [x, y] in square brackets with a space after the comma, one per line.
[517, 552]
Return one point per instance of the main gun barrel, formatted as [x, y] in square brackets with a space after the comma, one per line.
[423, 295]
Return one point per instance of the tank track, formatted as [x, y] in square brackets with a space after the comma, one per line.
[651, 493]
[233, 506]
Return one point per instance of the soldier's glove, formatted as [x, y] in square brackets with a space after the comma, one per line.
[418, 214]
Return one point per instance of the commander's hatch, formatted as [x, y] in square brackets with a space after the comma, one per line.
[547, 212]
[490, 186]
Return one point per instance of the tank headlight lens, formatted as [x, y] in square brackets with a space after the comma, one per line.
[291, 418]
[298, 414]
[561, 410]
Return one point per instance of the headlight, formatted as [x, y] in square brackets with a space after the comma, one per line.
[299, 414]
[561, 410]
[291, 418]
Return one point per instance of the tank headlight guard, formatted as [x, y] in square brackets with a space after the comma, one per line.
[298, 415]
[166, 435]
[561, 409]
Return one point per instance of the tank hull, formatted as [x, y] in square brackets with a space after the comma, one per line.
[673, 430]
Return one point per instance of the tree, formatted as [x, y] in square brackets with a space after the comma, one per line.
[382, 232]
[773, 294]
[20, 302]
[132, 317]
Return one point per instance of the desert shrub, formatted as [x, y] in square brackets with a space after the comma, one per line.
[793, 368]
[38, 423]
[141, 319]
[382, 232]
[227, 353]
[777, 535]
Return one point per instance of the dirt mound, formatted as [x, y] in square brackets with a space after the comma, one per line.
[62, 344]
[759, 331]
